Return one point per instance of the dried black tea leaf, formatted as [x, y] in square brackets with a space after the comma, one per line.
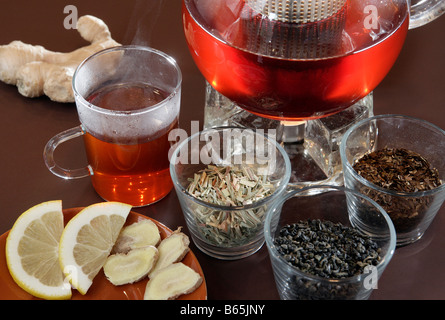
[399, 170]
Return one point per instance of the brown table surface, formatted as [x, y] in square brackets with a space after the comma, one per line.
[415, 86]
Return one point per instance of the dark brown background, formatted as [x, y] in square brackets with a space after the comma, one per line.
[415, 86]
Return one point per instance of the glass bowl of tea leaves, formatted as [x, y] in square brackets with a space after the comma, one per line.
[226, 178]
[399, 162]
[328, 243]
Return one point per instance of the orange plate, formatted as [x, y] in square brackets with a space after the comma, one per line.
[101, 288]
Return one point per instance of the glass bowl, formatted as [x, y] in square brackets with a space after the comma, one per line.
[308, 270]
[221, 230]
[411, 212]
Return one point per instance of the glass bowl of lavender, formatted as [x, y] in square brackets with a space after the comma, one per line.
[399, 162]
[328, 243]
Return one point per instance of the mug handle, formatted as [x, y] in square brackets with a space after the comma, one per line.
[48, 155]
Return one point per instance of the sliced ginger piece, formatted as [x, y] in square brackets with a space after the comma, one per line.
[171, 282]
[137, 235]
[131, 267]
[171, 250]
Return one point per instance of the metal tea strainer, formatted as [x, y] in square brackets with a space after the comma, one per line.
[295, 29]
[297, 11]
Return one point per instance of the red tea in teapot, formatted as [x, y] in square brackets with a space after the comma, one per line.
[294, 71]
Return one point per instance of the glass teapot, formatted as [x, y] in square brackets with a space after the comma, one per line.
[299, 59]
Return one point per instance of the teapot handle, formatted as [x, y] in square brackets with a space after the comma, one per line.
[424, 11]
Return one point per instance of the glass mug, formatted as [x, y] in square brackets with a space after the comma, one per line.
[128, 100]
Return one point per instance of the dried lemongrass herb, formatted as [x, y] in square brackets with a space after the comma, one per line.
[229, 186]
[399, 170]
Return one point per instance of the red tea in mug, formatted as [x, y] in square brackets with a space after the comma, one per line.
[132, 169]
[128, 100]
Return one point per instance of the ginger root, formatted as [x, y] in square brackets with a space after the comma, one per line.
[124, 268]
[37, 71]
[137, 235]
[171, 282]
[171, 250]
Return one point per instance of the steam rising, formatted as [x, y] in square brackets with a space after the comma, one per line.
[143, 19]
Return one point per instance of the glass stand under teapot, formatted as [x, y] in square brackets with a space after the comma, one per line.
[312, 145]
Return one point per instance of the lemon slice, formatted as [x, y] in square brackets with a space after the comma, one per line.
[87, 240]
[32, 251]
